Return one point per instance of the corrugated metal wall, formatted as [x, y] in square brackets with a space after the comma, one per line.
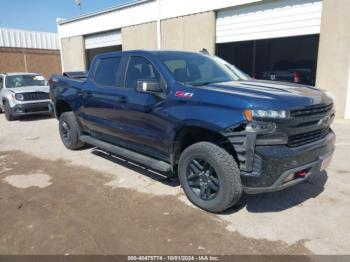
[269, 19]
[27, 39]
[111, 38]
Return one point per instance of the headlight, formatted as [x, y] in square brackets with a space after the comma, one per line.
[276, 114]
[19, 97]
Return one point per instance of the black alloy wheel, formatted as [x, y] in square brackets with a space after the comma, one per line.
[202, 179]
[210, 177]
[70, 131]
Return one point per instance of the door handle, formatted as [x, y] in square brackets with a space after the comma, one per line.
[123, 99]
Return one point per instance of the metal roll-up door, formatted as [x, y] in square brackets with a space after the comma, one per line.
[270, 19]
[105, 39]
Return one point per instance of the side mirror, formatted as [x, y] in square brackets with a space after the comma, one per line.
[149, 86]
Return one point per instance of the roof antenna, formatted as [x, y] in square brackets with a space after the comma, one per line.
[78, 3]
[204, 51]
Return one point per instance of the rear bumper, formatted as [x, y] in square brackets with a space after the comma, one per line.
[275, 167]
[31, 109]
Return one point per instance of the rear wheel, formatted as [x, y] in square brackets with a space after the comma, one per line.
[8, 114]
[70, 131]
[210, 177]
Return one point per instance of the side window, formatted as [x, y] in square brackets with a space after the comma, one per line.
[107, 70]
[140, 68]
[1, 82]
[175, 64]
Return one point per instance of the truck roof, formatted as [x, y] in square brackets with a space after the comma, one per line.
[154, 52]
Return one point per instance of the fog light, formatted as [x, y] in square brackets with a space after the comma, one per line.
[19, 110]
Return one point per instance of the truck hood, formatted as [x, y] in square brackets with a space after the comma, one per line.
[29, 89]
[271, 94]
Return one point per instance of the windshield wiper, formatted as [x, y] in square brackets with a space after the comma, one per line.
[208, 83]
[201, 84]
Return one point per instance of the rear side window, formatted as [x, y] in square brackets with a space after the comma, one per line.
[107, 70]
[139, 69]
[1, 82]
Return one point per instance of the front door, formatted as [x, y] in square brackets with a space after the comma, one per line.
[145, 127]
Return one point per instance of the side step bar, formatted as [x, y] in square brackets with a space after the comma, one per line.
[137, 157]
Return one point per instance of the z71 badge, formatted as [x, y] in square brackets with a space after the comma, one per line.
[183, 94]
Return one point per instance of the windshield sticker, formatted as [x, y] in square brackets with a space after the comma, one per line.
[39, 78]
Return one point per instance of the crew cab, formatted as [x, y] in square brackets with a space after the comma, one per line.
[23, 94]
[199, 117]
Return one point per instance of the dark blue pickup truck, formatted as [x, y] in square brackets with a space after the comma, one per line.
[196, 115]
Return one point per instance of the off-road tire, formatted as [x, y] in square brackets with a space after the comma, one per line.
[226, 169]
[72, 142]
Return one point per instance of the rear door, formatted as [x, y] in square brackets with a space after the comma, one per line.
[103, 95]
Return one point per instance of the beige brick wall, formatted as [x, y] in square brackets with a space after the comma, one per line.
[45, 62]
[334, 51]
[73, 50]
[191, 33]
[142, 36]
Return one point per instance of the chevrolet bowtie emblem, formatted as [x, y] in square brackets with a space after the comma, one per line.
[324, 121]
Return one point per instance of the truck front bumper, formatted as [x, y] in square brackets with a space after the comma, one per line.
[31, 109]
[278, 167]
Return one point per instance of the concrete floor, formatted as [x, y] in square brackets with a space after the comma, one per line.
[56, 201]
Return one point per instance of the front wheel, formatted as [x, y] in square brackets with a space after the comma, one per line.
[210, 177]
[8, 115]
[70, 131]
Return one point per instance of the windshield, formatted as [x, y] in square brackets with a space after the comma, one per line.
[14, 81]
[198, 69]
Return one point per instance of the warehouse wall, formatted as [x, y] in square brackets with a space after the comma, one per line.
[334, 52]
[45, 62]
[142, 36]
[191, 33]
[73, 52]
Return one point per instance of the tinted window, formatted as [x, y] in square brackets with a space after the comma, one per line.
[107, 70]
[140, 68]
[1, 82]
[199, 69]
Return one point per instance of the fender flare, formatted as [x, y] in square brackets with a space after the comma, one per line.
[174, 134]
[55, 105]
